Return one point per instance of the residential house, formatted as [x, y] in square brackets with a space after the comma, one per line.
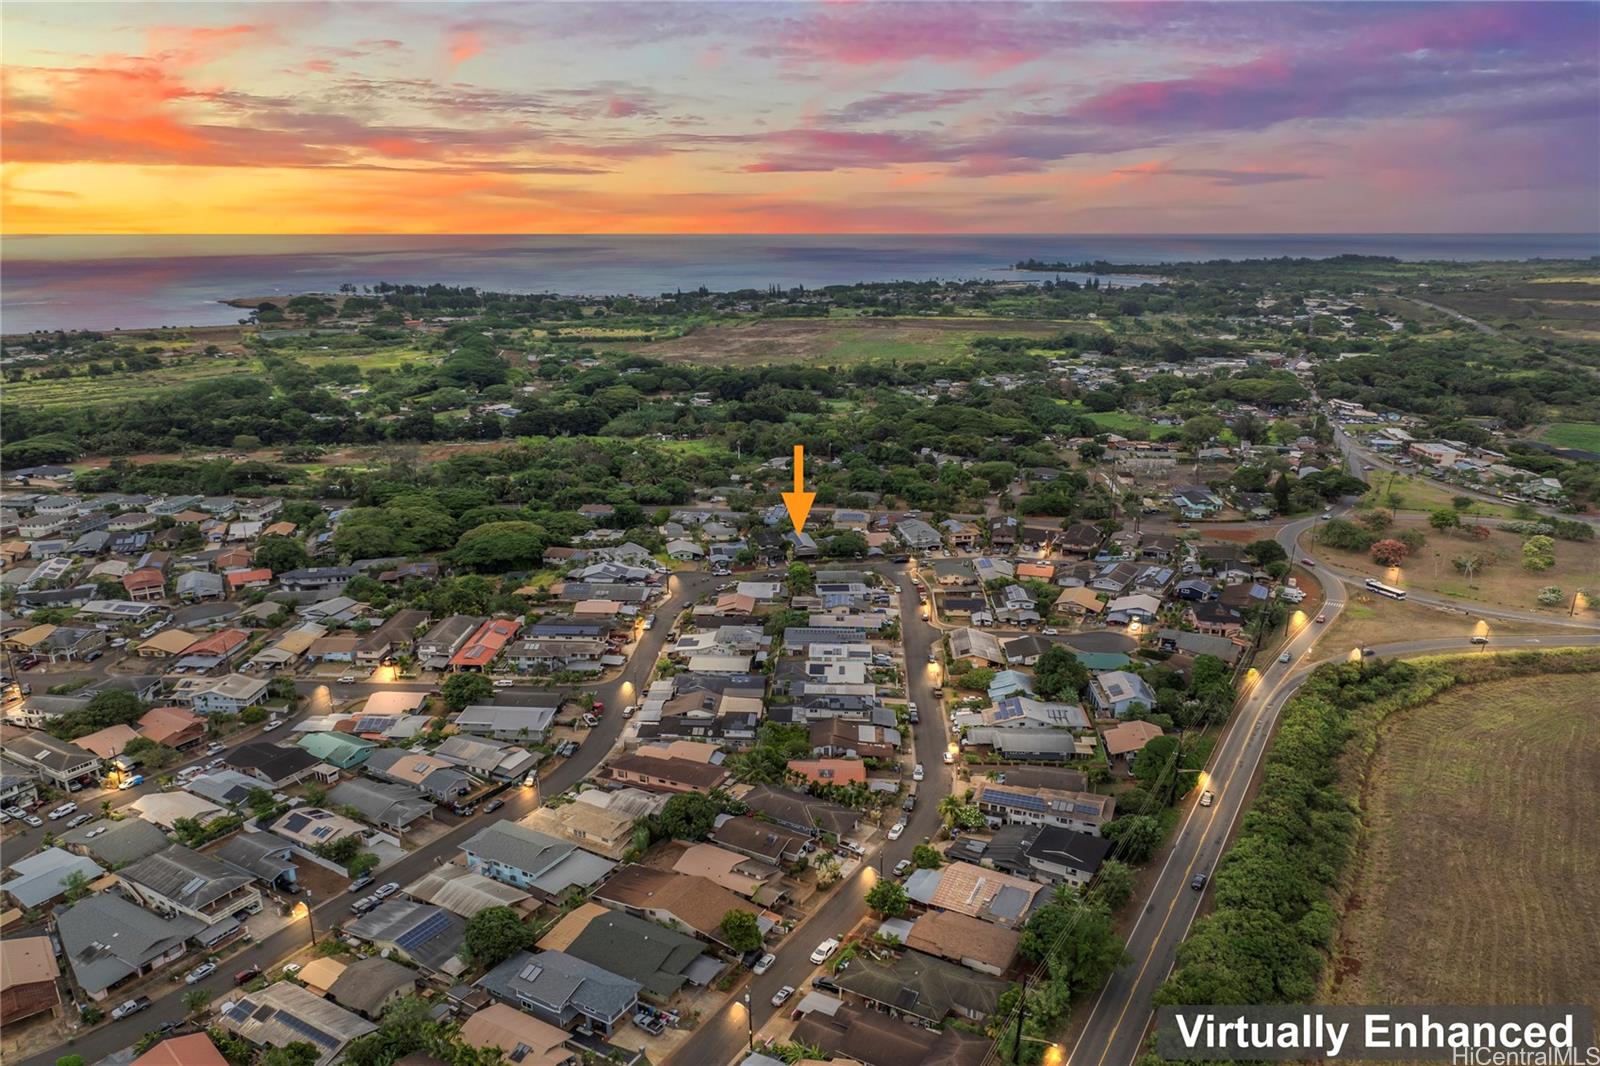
[1084, 812]
[850, 738]
[485, 645]
[1138, 607]
[337, 749]
[562, 991]
[492, 760]
[172, 727]
[46, 875]
[145, 584]
[368, 986]
[264, 857]
[917, 534]
[972, 942]
[195, 586]
[661, 960]
[850, 1034]
[277, 766]
[1125, 740]
[1214, 619]
[194, 1049]
[317, 578]
[428, 935]
[920, 988]
[1057, 855]
[678, 900]
[312, 827]
[1117, 692]
[108, 941]
[1200, 644]
[55, 761]
[597, 829]
[464, 893]
[523, 1040]
[396, 637]
[976, 891]
[840, 772]
[394, 808]
[284, 1013]
[182, 881]
[800, 812]
[761, 840]
[434, 776]
[515, 854]
[665, 775]
[436, 647]
[28, 979]
[528, 722]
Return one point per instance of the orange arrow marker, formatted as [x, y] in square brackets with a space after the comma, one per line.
[799, 501]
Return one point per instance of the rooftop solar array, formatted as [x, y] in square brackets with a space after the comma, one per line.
[426, 930]
[1014, 799]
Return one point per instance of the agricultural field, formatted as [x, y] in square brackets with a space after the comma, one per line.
[839, 341]
[1501, 582]
[1584, 436]
[1484, 781]
[122, 387]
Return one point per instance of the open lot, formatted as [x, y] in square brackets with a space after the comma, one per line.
[1484, 782]
[1502, 582]
[1584, 436]
[1421, 494]
[1369, 619]
[832, 341]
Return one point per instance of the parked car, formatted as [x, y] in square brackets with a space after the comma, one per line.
[781, 996]
[627, 712]
[16, 812]
[917, 772]
[493, 805]
[364, 904]
[824, 984]
[62, 811]
[503, 682]
[949, 758]
[909, 803]
[246, 975]
[763, 964]
[384, 891]
[896, 829]
[214, 747]
[825, 951]
[33, 820]
[915, 717]
[130, 1008]
[79, 820]
[590, 720]
[1480, 640]
[901, 867]
[199, 973]
[347, 679]
[130, 782]
[271, 725]
[359, 883]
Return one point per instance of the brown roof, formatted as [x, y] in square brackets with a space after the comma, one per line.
[196, 1049]
[956, 937]
[27, 960]
[695, 901]
[696, 775]
[1130, 736]
[164, 724]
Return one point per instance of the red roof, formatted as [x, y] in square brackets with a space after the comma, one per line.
[240, 578]
[219, 643]
[148, 578]
[489, 640]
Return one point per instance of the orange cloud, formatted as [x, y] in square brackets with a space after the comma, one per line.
[463, 45]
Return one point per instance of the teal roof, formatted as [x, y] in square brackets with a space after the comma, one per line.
[1103, 660]
[336, 748]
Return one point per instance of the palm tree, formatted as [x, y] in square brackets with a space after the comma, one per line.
[950, 809]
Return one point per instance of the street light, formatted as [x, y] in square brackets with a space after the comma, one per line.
[303, 910]
[749, 1018]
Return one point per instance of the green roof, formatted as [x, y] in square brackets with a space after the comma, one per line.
[336, 748]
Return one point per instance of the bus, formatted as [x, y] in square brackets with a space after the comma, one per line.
[1386, 590]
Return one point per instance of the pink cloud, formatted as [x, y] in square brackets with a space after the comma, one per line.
[463, 45]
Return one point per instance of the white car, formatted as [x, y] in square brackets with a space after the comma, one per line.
[917, 773]
[62, 811]
[763, 964]
[270, 726]
[200, 973]
[949, 758]
[1049, 631]
[825, 951]
[347, 679]
[384, 891]
[16, 812]
[782, 995]
[1207, 798]
[1285, 657]
[627, 712]
[896, 829]
[590, 720]
[33, 820]
[503, 682]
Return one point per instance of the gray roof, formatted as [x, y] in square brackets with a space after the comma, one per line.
[224, 786]
[260, 855]
[366, 984]
[106, 938]
[557, 979]
[656, 957]
[381, 802]
[45, 750]
[284, 1013]
[184, 876]
[430, 935]
[505, 719]
[44, 876]
[128, 840]
[517, 846]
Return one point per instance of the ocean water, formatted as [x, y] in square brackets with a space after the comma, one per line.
[106, 283]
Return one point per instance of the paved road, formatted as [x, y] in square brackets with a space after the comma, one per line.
[723, 1035]
[683, 589]
[1457, 315]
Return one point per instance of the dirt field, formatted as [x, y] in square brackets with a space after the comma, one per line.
[832, 341]
[1502, 583]
[1369, 619]
[1486, 783]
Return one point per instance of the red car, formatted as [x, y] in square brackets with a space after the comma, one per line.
[599, 706]
[246, 975]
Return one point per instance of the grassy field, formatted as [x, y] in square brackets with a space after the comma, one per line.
[1479, 852]
[1421, 494]
[1503, 583]
[1368, 619]
[121, 388]
[1111, 421]
[836, 341]
[1582, 435]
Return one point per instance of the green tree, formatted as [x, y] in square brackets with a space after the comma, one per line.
[279, 554]
[1136, 836]
[196, 1000]
[299, 1053]
[687, 816]
[926, 857]
[461, 690]
[888, 898]
[802, 582]
[76, 885]
[1265, 550]
[496, 547]
[1461, 503]
[495, 934]
[1549, 596]
[1444, 518]
[1538, 553]
[1059, 675]
[740, 930]
[1113, 885]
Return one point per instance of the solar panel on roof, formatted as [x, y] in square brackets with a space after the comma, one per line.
[310, 1032]
[374, 723]
[429, 928]
[1014, 799]
[240, 1011]
[263, 1012]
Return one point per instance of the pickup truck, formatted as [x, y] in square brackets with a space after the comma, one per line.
[130, 1008]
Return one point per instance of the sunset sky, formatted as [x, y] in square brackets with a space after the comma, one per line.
[780, 118]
